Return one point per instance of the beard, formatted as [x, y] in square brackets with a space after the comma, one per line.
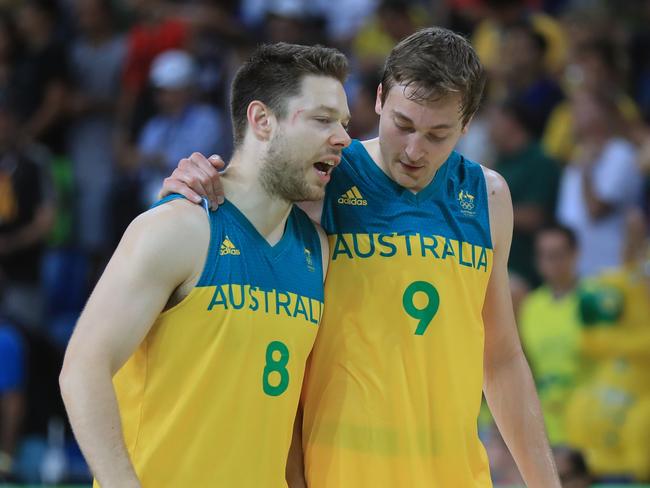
[284, 173]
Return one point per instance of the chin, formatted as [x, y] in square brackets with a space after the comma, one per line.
[316, 194]
[312, 194]
[405, 181]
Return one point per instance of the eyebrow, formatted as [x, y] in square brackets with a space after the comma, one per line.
[333, 111]
[435, 127]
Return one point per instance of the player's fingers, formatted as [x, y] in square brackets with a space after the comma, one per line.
[216, 161]
[219, 165]
[210, 180]
[172, 185]
[195, 176]
[191, 178]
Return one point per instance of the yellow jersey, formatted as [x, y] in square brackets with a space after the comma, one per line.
[550, 333]
[210, 397]
[395, 379]
[608, 418]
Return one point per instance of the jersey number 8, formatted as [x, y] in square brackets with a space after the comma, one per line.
[277, 357]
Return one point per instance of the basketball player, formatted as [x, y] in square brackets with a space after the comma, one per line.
[419, 317]
[186, 366]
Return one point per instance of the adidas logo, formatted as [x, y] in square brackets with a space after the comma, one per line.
[352, 197]
[227, 247]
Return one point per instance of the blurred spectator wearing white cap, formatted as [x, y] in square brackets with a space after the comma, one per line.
[181, 126]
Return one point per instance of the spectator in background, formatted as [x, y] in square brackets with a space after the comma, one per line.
[596, 66]
[532, 177]
[41, 76]
[181, 126]
[156, 29]
[364, 123]
[394, 20]
[609, 417]
[600, 184]
[12, 384]
[96, 62]
[501, 14]
[550, 329]
[26, 217]
[523, 75]
[639, 60]
[291, 22]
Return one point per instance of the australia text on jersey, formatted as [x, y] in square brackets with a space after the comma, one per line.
[275, 302]
[386, 245]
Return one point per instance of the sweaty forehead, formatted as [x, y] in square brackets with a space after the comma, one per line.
[319, 92]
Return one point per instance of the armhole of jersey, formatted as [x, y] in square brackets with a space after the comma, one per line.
[178, 196]
[475, 168]
[486, 194]
[211, 258]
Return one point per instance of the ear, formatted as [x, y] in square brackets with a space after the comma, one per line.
[260, 120]
[378, 104]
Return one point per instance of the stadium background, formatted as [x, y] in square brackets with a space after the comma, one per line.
[92, 118]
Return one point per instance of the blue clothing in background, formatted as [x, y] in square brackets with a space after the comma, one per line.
[12, 359]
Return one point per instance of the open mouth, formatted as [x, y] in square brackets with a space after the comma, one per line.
[324, 168]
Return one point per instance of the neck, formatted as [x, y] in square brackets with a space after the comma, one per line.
[241, 184]
[562, 287]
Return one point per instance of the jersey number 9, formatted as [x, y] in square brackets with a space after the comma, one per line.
[425, 314]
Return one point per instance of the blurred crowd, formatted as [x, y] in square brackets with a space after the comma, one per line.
[99, 99]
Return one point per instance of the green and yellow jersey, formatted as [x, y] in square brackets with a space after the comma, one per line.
[210, 396]
[395, 382]
[550, 333]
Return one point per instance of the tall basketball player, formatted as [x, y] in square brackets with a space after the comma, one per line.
[186, 366]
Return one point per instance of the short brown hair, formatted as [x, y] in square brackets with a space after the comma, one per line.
[274, 73]
[436, 62]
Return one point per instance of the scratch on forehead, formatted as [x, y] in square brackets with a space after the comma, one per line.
[295, 116]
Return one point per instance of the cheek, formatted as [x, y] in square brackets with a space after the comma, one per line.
[394, 137]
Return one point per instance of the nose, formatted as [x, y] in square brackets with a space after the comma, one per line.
[340, 138]
[415, 147]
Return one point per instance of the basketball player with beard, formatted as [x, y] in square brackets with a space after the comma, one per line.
[186, 366]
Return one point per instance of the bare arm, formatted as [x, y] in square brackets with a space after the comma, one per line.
[153, 259]
[508, 383]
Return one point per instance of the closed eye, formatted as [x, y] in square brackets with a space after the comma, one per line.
[434, 138]
[404, 128]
